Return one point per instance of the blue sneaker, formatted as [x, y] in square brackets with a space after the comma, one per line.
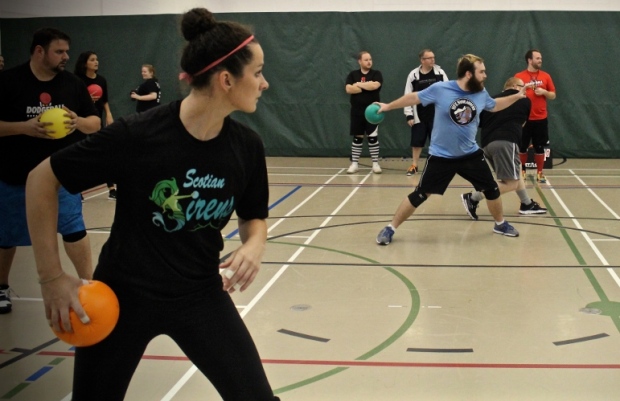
[505, 229]
[385, 236]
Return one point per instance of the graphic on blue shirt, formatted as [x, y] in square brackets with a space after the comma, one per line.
[463, 111]
[202, 212]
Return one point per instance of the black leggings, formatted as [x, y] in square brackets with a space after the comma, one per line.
[208, 330]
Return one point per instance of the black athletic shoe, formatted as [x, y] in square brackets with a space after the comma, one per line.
[470, 205]
[112, 194]
[5, 300]
[532, 208]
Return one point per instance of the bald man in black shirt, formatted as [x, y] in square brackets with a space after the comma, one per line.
[500, 137]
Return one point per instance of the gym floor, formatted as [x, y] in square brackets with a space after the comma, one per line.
[448, 311]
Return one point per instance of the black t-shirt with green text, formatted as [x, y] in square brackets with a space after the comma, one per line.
[175, 194]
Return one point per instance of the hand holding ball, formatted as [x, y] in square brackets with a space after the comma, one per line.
[57, 117]
[101, 306]
[372, 115]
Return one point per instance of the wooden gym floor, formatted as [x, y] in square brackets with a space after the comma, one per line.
[448, 311]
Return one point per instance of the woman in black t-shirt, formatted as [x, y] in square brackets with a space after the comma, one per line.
[148, 94]
[87, 68]
[182, 170]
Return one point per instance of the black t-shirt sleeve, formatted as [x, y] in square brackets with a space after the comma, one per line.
[350, 79]
[147, 87]
[92, 161]
[104, 86]
[378, 77]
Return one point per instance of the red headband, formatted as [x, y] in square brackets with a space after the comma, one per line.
[188, 77]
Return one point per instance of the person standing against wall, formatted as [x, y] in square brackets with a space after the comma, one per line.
[500, 140]
[87, 67]
[536, 131]
[148, 94]
[364, 86]
[420, 118]
[26, 91]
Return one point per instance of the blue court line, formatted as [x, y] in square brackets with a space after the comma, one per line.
[276, 203]
[31, 379]
[39, 373]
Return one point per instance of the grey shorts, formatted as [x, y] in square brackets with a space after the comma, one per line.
[503, 156]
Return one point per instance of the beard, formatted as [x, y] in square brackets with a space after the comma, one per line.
[473, 85]
[59, 68]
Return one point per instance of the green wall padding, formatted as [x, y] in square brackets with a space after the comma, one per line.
[308, 55]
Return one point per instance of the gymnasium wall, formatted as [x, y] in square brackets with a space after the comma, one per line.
[308, 55]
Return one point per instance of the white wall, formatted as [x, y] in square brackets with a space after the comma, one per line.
[57, 8]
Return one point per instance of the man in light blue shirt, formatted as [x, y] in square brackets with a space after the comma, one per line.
[453, 149]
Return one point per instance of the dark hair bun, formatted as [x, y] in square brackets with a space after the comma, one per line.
[196, 22]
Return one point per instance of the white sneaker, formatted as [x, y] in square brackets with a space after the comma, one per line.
[376, 168]
[5, 300]
[353, 168]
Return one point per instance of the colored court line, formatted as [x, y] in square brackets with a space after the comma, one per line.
[304, 336]
[39, 373]
[276, 203]
[441, 350]
[580, 259]
[581, 339]
[358, 363]
[27, 352]
[340, 369]
[33, 377]
[433, 266]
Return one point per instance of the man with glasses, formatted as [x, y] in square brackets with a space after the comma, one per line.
[501, 137]
[420, 118]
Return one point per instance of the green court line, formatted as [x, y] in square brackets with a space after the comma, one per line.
[23, 385]
[580, 259]
[415, 297]
[413, 313]
[14, 391]
[56, 361]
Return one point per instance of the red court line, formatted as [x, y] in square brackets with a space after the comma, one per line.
[390, 364]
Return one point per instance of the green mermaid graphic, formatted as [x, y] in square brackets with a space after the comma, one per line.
[165, 195]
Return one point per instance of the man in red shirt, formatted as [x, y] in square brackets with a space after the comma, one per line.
[536, 130]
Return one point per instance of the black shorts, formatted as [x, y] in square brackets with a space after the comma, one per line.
[535, 131]
[360, 126]
[440, 171]
[420, 132]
